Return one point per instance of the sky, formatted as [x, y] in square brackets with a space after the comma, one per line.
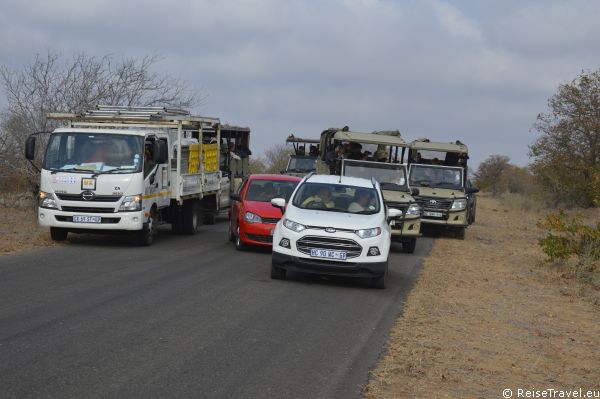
[477, 71]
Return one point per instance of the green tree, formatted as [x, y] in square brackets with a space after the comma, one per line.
[488, 176]
[566, 157]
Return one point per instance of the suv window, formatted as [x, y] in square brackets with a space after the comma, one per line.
[337, 198]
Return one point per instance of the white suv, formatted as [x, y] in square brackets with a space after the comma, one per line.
[335, 226]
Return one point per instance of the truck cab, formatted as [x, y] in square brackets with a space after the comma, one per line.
[304, 158]
[439, 171]
[376, 155]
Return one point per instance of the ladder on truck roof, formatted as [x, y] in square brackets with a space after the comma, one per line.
[119, 115]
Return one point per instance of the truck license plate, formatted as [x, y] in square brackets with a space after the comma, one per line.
[329, 254]
[87, 219]
[433, 214]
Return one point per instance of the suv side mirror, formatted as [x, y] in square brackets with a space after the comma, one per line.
[159, 147]
[414, 191]
[30, 148]
[279, 203]
[393, 213]
[235, 197]
[471, 190]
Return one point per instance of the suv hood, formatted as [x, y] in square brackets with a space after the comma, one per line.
[338, 220]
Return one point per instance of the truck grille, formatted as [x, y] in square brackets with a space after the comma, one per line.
[97, 198]
[83, 209]
[434, 203]
[352, 248]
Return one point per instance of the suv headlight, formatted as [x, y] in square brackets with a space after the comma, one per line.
[413, 209]
[368, 233]
[297, 227]
[46, 200]
[459, 204]
[250, 217]
[131, 203]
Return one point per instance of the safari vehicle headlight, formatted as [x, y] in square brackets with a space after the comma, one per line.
[368, 233]
[297, 227]
[414, 210]
[459, 204]
[131, 203]
[250, 217]
[46, 200]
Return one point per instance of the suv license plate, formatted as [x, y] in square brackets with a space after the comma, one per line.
[329, 254]
[87, 219]
[433, 214]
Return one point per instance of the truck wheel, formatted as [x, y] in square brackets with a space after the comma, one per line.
[459, 233]
[239, 245]
[277, 273]
[146, 236]
[408, 245]
[58, 234]
[191, 216]
[210, 218]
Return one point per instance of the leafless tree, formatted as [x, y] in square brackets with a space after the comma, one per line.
[53, 83]
[276, 158]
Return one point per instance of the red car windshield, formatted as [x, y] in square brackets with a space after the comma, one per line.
[266, 190]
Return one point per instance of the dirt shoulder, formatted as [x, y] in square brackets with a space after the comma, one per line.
[19, 230]
[487, 314]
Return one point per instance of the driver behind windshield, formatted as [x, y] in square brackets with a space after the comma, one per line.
[321, 199]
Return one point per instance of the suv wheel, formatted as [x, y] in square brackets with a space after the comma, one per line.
[408, 245]
[379, 282]
[277, 273]
[239, 245]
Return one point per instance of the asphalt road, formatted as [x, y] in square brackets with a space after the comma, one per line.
[189, 317]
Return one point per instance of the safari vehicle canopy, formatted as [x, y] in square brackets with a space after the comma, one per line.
[303, 160]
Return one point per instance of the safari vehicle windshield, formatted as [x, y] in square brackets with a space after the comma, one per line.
[266, 190]
[302, 164]
[337, 198]
[436, 176]
[390, 176]
[88, 152]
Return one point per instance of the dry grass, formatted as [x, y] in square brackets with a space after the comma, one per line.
[19, 229]
[487, 314]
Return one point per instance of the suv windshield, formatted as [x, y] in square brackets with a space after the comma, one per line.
[302, 164]
[81, 152]
[390, 176]
[337, 198]
[436, 176]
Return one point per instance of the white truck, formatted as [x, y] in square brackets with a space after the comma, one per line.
[124, 169]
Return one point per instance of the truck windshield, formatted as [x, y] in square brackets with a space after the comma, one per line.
[390, 176]
[436, 176]
[89, 152]
[337, 198]
[302, 164]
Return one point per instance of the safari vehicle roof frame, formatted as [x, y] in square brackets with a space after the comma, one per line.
[384, 137]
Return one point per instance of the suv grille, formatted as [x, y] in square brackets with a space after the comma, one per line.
[97, 198]
[352, 248]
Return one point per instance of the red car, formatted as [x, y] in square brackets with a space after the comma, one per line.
[252, 217]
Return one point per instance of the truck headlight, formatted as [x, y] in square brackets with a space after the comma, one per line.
[297, 227]
[250, 217]
[459, 204]
[131, 203]
[368, 233]
[46, 200]
[414, 210]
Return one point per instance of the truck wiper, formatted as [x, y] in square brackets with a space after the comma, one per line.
[112, 171]
[55, 171]
[391, 186]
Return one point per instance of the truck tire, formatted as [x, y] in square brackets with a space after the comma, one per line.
[408, 245]
[58, 233]
[191, 216]
[145, 237]
[210, 218]
[277, 273]
[176, 219]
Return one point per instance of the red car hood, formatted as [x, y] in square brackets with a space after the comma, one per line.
[262, 209]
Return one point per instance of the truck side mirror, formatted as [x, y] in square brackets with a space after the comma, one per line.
[30, 148]
[235, 197]
[159, 148]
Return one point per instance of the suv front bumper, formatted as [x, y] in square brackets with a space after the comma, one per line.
[330, 268]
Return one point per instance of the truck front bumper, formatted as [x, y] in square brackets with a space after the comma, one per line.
[129, 221]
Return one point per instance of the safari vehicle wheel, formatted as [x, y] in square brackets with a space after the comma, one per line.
[58, 234]
[146, 236]
[277, 273]
[459, 233]
[408, 245]
[239, 245]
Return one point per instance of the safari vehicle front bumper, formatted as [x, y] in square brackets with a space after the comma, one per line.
[448, 218]
[406, 227]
